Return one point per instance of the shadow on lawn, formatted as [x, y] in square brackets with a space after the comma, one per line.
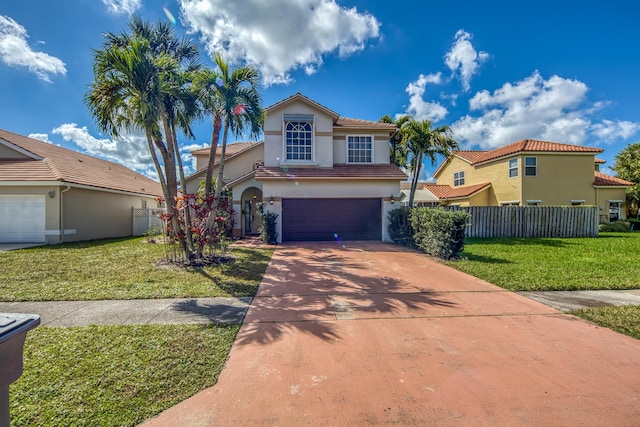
[517, 241]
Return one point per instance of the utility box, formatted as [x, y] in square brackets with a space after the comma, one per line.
[13, 332]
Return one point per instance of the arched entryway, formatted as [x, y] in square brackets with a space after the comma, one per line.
[249, 212]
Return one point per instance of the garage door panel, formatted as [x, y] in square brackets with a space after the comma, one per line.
[329, 219]
[22, 219]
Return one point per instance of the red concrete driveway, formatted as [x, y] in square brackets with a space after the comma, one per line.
[371, 334]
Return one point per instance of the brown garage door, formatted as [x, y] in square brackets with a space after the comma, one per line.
[331, 219]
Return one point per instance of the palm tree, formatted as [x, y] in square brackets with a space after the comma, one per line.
[398, 148]
[140, 84]
[423, 140]
[239, 105]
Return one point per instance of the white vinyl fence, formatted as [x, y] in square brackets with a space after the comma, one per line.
[145, 220]
[532, 221]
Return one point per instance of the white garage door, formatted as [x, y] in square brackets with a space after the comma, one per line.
[22, 219]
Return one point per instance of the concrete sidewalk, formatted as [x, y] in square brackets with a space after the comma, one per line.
[128, 312]
[373, 334]
[576, 300]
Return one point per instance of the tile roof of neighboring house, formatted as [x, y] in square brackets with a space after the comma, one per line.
[600, 161]
[381, 171]
[63, 165]
[421, 196]
[526, 145]
[235, 151]
[608, 180]
[232, 149]
[448, 192]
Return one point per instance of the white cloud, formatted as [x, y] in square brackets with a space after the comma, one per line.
[609, 130]
[463, 60]
[15, 51]
[44, 137]
[279, 36]
[535, 108]
[189, 161]
[122, 7]
[418, 107]
[129, 150]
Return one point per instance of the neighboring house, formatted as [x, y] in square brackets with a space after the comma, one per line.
[327, 177]
[49, 194]
[530, 172]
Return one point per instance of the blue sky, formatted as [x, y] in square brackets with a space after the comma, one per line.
[564, 71]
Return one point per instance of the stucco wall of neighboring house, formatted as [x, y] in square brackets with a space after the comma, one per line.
[273, 135]
[560, 179]
[603, 195]
[99, 214]
[8, 153]
[52, 209]
[331, 190]
[234, 167]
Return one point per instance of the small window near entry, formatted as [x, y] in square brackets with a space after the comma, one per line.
[534, 202]
[144, 204]
[458, 179]
[530, 166]
[614, 210]
[577, 202]
[513, 168]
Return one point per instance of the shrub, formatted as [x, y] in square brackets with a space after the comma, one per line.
[400, 226]
[635, 223]
[619, 226]
[268, 225]
[439, 232]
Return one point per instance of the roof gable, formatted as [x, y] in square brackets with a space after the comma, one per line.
[300, 97]
[73, 167]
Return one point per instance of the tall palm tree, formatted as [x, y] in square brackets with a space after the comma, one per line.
[399, 152]
[425, 141]
[139, 84]
[240, 106]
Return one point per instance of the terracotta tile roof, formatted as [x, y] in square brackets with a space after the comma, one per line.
[71, 167]
[344, 123]
[447, 192]
[608, 180]
[600, 161]
[232, 149]
[246, 146]
[526, 145]
[382, 171]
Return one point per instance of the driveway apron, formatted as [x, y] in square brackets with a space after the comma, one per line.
[368, 333]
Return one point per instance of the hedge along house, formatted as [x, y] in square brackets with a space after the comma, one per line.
[50, 194]
[327, 177]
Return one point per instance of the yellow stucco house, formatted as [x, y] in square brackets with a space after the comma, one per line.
[327, 177]
[49, 194]
[530, 172]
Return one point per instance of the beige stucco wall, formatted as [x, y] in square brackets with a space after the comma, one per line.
[91, 214]
[8, 153]
[234, 167]
[273, 135]
[52, 210]
[560, 179]
[279, 190]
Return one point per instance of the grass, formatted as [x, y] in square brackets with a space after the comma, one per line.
[625, 319]
[121, 269]
[114, 375]
[606, 262]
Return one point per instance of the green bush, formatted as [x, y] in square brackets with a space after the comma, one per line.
[439, 232]
[268, 225]
[635, 223]
[400, 226]
[619, 226]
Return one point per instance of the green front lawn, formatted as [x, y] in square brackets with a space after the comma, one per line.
[625, 319]
[606, 262]
[121, 269]
[114, 375]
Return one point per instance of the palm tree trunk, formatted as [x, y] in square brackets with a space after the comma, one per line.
[222, 156]
[215, 137]
[414, 181]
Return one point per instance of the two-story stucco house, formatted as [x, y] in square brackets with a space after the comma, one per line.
[327, 177]
[530, 172]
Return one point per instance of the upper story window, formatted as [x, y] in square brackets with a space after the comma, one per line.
[513, 168]
[359, 149]
[530, 166]
[458, 178]
[298, 144]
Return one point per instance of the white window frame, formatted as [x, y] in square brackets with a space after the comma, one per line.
[513, 168]
[348, 136]
[510, 203]
[619, 210]
[535, 166]
[458, 179]
[578, 202]
[534, 202]
[301, 119]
